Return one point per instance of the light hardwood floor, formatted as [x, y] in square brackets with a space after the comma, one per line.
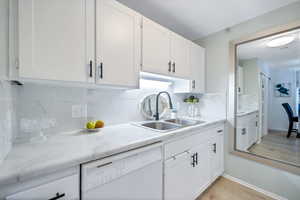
[224, 189]
[277, 146]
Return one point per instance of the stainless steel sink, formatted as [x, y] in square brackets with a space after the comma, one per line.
[184, 122]
[169, 124]
[160, 126]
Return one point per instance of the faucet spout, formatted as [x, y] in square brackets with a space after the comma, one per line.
[157, 99]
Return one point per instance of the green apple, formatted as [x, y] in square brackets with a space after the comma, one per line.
[90, 125]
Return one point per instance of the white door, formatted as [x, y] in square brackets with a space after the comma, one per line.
[118, 44]
[180, 56]
[155, 48]
[216, 156]
[53, 44]
[197, 64]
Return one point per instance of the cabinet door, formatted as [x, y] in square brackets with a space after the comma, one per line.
[217, 155]
[180, 56]
[252, 130]
[118, 44]
[200, 169]
[241, 139]
[155, 48]
[178, 184]
[197, 64]
[53, 44]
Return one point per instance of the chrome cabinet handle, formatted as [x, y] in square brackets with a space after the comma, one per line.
[58, 196]
[174, 67]
[91, 68]
[170, 66]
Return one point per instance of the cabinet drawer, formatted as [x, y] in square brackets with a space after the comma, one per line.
[184, 144]
[66, 188]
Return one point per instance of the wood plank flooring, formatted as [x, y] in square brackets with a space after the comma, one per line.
[225, 189]
[277, 146]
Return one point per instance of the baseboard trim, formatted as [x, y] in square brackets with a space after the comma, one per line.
[253, 187]
[278, 130]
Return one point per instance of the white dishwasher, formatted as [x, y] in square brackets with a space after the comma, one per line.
[136, 174]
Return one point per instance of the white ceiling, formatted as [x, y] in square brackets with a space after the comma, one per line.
[198, 18]
[286, 56]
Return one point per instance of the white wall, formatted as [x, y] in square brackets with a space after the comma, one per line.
[3, 38]
[278, 119]
[217, 49]
[6, 96]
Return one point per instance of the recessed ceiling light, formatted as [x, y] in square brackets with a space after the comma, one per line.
[281, 41]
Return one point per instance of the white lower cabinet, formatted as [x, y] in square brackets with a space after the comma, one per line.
[247, 131]
[64, 188]
[193, 163]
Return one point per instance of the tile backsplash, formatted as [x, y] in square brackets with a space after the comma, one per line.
[49, 109]
[52, 109]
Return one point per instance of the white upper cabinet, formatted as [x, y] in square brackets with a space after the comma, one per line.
[53, 40]
[58, 40]
[196, 82]
[180, 56]
[118, 44]
[197, 64]
[164, 52]
[99, 41]
[155, 48]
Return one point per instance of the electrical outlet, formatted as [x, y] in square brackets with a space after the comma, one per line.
[76, 111]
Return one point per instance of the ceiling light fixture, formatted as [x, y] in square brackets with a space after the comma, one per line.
[281, 41]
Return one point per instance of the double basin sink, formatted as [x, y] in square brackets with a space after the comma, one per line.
[170, 124]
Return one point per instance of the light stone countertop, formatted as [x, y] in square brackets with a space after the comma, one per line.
[62, 151]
